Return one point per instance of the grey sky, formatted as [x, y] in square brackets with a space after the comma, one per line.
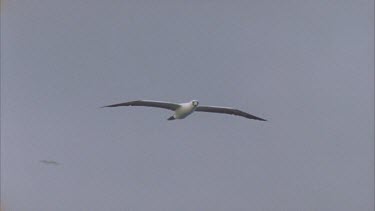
[306, 66]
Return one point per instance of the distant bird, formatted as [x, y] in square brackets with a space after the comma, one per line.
[49, 162]
[182, 110]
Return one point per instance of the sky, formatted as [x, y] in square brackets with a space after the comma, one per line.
[305, 66]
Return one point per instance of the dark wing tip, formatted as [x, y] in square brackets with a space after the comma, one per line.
[108, 106]
[119, 104]
[256, 118]
[249, 116]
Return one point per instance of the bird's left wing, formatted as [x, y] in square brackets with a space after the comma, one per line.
[225, 110]
[148, 103]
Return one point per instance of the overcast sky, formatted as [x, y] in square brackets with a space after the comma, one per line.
[306, 66]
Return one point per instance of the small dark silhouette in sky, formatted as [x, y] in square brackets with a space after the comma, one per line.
[49, 162]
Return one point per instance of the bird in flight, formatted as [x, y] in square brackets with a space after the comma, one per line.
[49, 162]
[182, 110]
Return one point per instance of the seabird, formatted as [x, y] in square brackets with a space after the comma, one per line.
[182, 110]
[49, 162]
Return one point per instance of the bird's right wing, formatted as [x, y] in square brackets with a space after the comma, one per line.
[226, 110]
[148, 103]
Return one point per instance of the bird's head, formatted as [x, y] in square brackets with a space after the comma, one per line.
[195, 103]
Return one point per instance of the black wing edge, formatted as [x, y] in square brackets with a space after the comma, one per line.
[121, 104]
[147, 103]
[249, 116]
[226, 110]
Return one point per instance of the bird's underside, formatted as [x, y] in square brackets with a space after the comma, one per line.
[182, 110]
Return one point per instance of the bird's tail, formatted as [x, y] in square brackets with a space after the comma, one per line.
[171, 118]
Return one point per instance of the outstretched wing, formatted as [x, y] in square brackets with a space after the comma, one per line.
[224, 110]
[148, 103]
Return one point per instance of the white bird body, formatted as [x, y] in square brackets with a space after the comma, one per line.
[183, 110]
